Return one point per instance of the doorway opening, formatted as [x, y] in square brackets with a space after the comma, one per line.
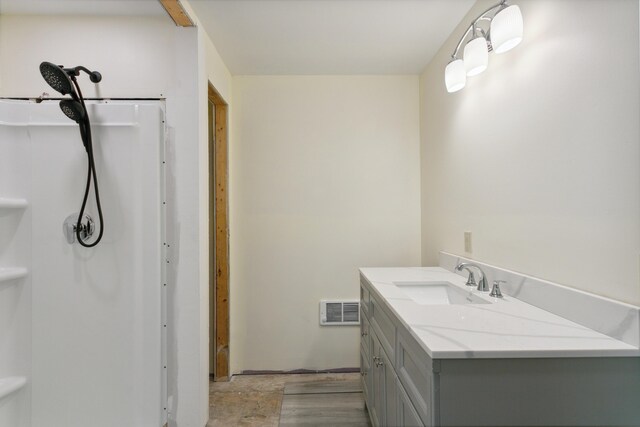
[218, 237]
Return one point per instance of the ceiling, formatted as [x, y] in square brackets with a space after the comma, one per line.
[329, 36]
[299, 36]
[82, 7]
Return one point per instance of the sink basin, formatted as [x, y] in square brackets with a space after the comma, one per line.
[438, 293]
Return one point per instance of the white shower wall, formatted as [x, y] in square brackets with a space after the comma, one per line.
[15, 252]
[96, 314]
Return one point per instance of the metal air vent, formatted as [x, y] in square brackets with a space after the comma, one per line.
[339, 313]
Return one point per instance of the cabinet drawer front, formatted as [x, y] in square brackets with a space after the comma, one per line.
[365, 297]
[365, 335]
[385, 328]
[415, 374]
[407, 416]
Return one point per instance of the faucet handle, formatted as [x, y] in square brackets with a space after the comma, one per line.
[495, 291]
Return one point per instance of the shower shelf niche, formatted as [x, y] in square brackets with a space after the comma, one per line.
[12, 273]
[6, 203]
[10, 385]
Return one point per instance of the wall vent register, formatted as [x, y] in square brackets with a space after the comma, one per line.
[339, 313]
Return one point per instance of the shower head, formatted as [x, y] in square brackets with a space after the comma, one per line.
[60, 78]
[72, 109]
[64, 81]
[57, 78]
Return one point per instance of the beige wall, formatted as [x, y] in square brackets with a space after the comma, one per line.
[324, 179]
[539, 157]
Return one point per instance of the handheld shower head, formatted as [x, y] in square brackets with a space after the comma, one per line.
[64, 81]
[60, 78]
[57, 78]
[72, 109]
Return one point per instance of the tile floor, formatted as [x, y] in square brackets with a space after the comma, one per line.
[301, 399]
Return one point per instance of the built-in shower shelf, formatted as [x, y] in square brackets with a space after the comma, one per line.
[10, 385]
[12, 273]
[6, 203]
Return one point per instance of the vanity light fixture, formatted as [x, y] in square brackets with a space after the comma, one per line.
[504, 32]
[455, 76]
[476, 56]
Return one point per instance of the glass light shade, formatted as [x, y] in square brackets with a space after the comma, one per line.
[455, 76]
[476, 56]
[506, 29]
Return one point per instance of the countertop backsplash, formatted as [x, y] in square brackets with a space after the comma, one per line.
[613, 318]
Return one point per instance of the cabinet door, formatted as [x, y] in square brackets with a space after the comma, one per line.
[383, 385]
[365, 373]
[364, 333]
[406, 414]
[414, 369]
[377, 382]
[389, 401]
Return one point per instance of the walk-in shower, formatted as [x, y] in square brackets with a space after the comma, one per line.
[78, 227]
[81, 330]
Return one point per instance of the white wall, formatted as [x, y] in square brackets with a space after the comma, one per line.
[211, 69]
[215, 69]
[15, 251]
[539, 157]
[142, 57]
[132, 53]
[324, 179]
[184, 235]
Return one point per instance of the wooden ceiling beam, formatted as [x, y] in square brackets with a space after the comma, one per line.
[176, 11]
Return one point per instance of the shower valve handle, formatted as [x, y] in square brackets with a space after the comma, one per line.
[87, 228]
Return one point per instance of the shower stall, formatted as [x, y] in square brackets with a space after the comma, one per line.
[83, 330]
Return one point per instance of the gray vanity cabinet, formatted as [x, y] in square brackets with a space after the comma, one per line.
[399, 381]
[405, 387]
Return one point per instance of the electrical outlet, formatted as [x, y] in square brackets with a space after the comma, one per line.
[467, 242]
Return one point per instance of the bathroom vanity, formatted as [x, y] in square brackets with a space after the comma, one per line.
[435, 352]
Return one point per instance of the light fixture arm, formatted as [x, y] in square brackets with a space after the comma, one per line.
[482, 17]
[498, 29]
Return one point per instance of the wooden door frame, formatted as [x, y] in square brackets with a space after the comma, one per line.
[219, 233]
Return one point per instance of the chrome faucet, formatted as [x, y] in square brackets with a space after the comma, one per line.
[471, 280]
[482, 284]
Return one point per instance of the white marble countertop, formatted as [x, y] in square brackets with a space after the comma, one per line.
[505, 328]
